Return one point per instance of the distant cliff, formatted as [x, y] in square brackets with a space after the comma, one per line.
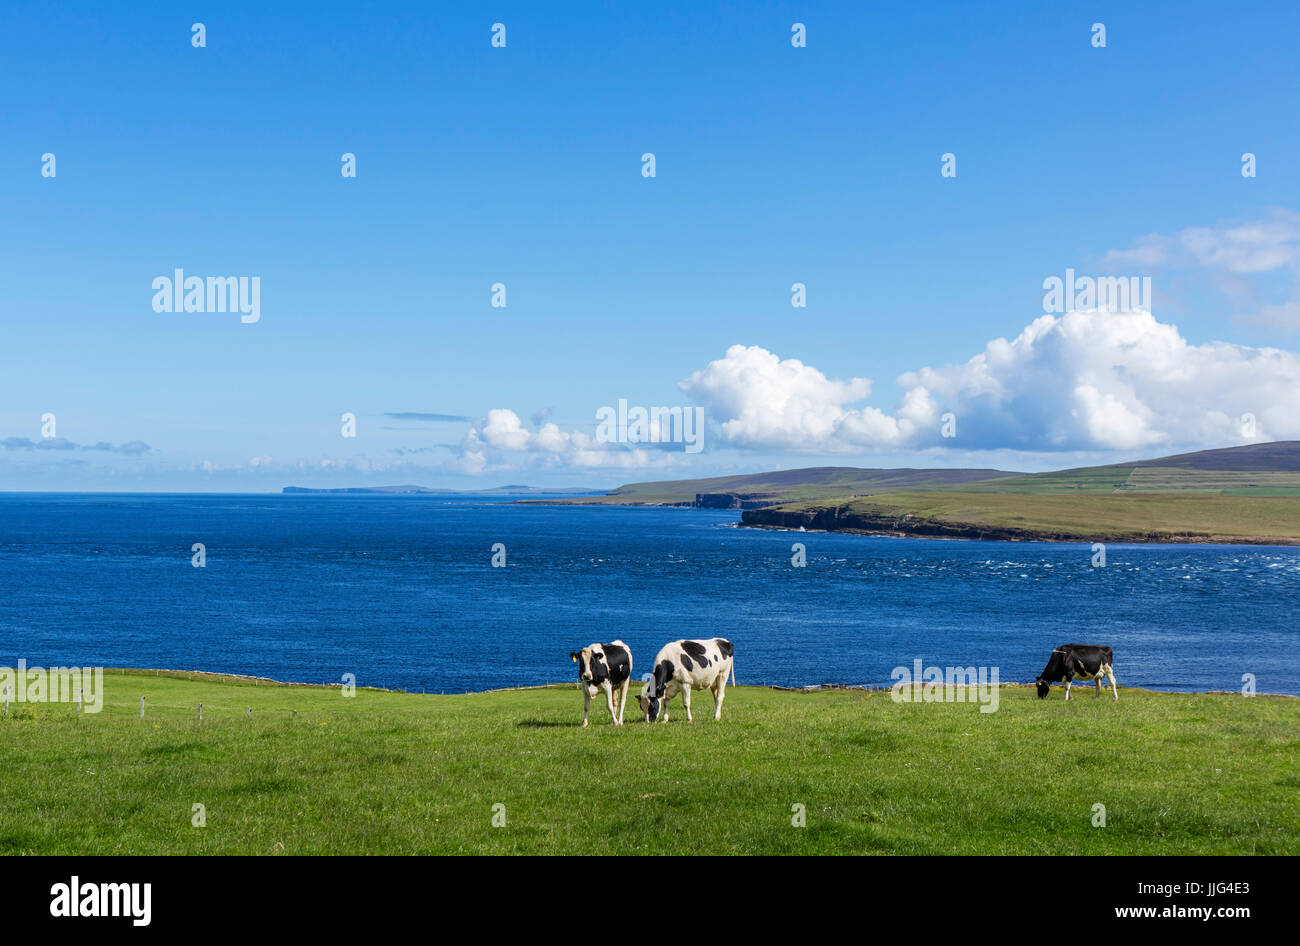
[845, 519]
[1188, 516]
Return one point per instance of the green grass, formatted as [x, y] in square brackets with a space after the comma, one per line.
[1135, 478]
[1082, 517]
[407, 773]
[1271, 469]
[1091, 479]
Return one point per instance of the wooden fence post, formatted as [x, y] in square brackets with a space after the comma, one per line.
[200, 712]
[142, 707]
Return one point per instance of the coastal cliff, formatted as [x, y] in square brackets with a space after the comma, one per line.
[845, 519]
[1189, 518]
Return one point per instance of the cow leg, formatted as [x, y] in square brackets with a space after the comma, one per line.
[586, 704]
[686, 701]
[719, 691]
[609, 701]
[1110, 675]
[1068, 681]
[1097, 695]
[622, 700]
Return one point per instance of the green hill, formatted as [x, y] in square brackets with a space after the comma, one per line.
[1254, 469]
[1248, 494]
[1265, 469]
[1050, 517]
[758, 489]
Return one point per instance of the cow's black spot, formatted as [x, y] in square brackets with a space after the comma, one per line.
[686, 662]
[620, 663]
[694, 648]
[724, 645]
[663, 673]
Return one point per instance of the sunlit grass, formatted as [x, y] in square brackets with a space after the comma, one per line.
[407, 773]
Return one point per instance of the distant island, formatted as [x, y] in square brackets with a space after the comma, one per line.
[1234, 495]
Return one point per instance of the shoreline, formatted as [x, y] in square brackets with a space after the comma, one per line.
[995, 535]
[935, 529]
[208, 676]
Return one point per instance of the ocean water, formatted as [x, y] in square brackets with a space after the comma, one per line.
[401, 591]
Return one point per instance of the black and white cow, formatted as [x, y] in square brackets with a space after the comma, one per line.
[1071, 662]
[605, 667]
[683, 666]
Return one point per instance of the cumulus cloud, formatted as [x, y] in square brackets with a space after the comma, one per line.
[501, 441]
[1084, 381]
[762, 401]
[1080, 381]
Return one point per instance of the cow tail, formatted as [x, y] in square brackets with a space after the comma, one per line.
[733, 671]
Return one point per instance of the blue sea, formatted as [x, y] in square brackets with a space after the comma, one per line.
[401, 592]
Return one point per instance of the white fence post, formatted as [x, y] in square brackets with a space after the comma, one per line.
[142, 707]
[200, 712]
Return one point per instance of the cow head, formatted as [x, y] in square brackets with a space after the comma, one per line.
[591, 664]
[1044, 688]
[650, 704]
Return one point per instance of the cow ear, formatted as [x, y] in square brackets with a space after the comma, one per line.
[573, 656]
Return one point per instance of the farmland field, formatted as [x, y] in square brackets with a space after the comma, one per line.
[312, 772]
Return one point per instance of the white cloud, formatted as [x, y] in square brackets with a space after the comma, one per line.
[1091, 380]
[1257, 246]
[503, 430]
[761, 401]
[1085, 381]
[500, 441]
[1255, 264]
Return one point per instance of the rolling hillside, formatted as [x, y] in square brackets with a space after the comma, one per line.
[1264, 469]
[765, 489]
[1255, 469]
[1248, 494]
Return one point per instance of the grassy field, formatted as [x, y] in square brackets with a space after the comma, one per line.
[1262, 469]
[1131, 517]
[406, 773]
[1127, 479]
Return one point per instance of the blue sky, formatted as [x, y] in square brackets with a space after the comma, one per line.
[522, 165]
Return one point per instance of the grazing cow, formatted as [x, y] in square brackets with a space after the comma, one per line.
[1072, 662]
[683, 666]
[604, 667]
